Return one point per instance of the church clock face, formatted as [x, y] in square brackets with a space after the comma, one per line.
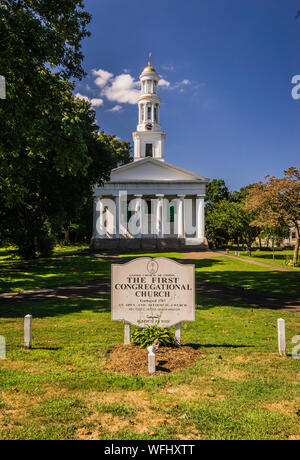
[149, 126]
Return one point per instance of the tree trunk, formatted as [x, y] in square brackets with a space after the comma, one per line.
[260, 245]
[67, 234]
[297, 245]
[249, 248]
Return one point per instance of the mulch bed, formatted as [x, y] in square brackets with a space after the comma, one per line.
[131, 359]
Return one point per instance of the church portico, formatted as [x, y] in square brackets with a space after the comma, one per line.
[161, 220]
[148, 203]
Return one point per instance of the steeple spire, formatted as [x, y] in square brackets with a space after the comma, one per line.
[149, 137]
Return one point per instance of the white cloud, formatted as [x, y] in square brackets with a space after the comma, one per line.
[163, 82]
[81, 96]
[178, 85]
[167, 67]
[102, 77]
[95, 102]
[116, 108]
[123, 89]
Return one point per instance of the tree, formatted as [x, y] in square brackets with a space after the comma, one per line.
[275, 234]
[276, 203]
[229, 220]
[50, 150]
[79, 209]
[120, 150]
[216, 190]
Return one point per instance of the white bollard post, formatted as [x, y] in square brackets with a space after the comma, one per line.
[126, 333]
[281, 337]
[151, 360]
[2, 347]
[27, 331]
[178, 334]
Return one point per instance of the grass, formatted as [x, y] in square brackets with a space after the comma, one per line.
[66, 266]
[239, 388]
[234, 272]
[266, 257]
[70, 266]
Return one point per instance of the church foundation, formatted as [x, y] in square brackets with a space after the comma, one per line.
[127, 244]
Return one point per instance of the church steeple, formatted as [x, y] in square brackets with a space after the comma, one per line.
[149, 137]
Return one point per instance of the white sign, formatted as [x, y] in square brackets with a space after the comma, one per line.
[147, 292]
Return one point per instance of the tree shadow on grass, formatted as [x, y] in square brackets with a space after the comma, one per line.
[196, 346]
[47, 348]
[50, 273]
[261, 286]
[55, 308]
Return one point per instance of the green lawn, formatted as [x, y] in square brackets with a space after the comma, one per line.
[238, 389]
[233, 272]
[266, 257]
[68, 266]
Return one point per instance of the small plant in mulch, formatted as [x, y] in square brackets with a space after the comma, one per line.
[144, 337]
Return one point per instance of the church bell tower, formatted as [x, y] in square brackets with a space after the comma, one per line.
[149, 138]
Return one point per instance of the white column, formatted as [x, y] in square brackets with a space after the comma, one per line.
[117, 216]
[145, 112]
[180, 224]
[139, 212]
[152, 113]
[102, 228]
[200, 219]
[159, 216]
[96, 219]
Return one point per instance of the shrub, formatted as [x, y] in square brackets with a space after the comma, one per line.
[146, 336]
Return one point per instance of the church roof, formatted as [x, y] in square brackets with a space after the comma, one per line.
[151, 170]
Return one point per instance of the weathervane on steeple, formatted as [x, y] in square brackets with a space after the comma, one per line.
[149, 62]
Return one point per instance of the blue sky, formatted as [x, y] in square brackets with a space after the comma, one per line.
[227, 67]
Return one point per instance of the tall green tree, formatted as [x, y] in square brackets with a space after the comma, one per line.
[216, 190]
[50, 150]
[229, 220]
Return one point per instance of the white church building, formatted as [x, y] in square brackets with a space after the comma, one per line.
[149, 203]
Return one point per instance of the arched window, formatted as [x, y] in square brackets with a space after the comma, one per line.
[155, 113]
[149, 112]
